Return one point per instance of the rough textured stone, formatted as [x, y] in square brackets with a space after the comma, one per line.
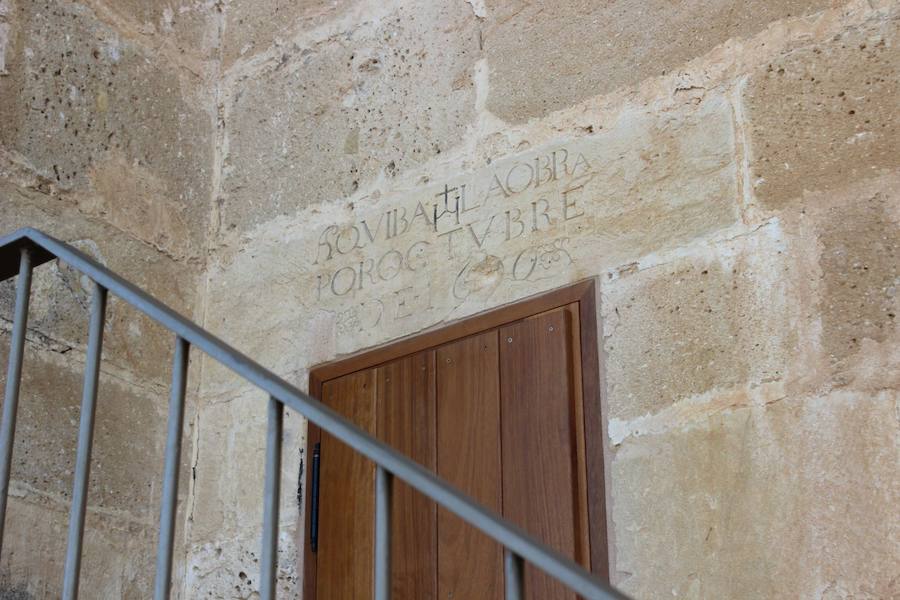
[118, 560]
[547, 55]
[713, 321]
[824, 114]
[647, 183]
[84, 106]
[228, 484]
[192, 27]
[794, 500]
[846, 241]
[390, 95]
[129, 434]
[61, 298]
[252, 26]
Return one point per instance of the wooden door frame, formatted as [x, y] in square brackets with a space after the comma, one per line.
[584, 293]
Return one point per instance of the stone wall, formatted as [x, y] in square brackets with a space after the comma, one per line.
[106, 121]
[311, 179]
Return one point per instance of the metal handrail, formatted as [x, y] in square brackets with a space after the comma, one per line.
[27, 248]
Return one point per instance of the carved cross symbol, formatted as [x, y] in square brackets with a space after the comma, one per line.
[446, 195]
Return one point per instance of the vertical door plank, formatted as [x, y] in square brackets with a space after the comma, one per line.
[346, 496]
[468, 456]
[406, 421]
[540, 430]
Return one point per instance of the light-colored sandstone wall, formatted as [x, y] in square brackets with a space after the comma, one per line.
[729, 173]
[106, 121]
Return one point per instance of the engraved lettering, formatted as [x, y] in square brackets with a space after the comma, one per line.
[524, 178]
[340, 288]
[496, 185]
[449, 235]
[416, 253]
[480, 241]
[523, 270]
[365, 268]
[392, 266]
[559, 160]
[403, 310]
[581, 161]
[323, 242]
[462, 200]
[543, 213]
[369, 233]
[353, 238]
[569, 209]
[510, 219]
[420, 212]
[543, 171]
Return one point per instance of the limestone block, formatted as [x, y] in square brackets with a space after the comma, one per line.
[230, 468]
[375, 101]
[850, 237]
[793, 500]
[118, 559]
[715, 319]
[223, 549]
[129, 435]
[190, 26]
[825, 114]
[252, 26]
[545, 55]
[348, 275]
[95, 114]
[61, 297]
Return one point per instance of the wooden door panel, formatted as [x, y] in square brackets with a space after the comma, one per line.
[540, 433]
[346, 496]
[468, 456]
[406, 421]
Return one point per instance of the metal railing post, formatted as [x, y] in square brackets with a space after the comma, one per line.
[271, 498]
[520, 546]
[383, 485]
[169, 504]
[13, 381]
[514, 568]
[85, 441]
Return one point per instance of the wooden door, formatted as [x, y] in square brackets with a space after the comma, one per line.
[500, 414]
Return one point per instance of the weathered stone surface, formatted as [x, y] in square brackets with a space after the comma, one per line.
[61, 298]
[390, 94]
[252, 26]
[528, 223]
[714, 320]
[90, 111]
[846, 241]
[547, 55]
[118, 560]
[793, 500]
[824, 114]
[228, 485]
[129, 435]
[192, 27]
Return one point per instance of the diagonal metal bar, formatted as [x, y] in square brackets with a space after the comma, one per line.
[13, 380]
[383, 496]
[85, 442]
[271, 498]
[558, 566]
[169, 507]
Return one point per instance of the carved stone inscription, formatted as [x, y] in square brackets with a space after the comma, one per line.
[500, 222]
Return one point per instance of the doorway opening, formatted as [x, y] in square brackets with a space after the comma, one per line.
[504, 405]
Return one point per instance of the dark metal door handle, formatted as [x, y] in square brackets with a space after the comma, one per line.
[314, 500]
